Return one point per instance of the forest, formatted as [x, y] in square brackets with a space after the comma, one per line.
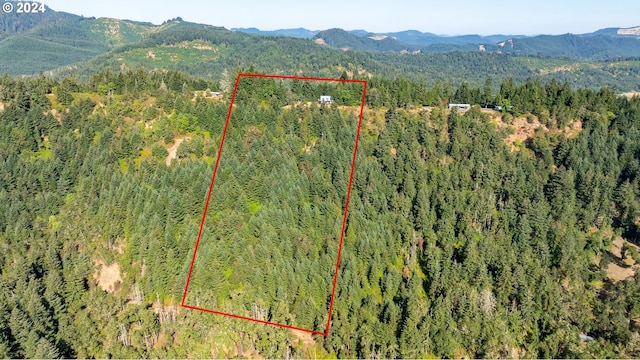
[458, 242]
[277, 206]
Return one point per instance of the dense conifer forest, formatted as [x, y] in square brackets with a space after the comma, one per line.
[460, 240]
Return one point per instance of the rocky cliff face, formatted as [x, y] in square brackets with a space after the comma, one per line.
[634, 31]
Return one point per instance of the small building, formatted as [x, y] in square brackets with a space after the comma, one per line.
[460, 106]
[215, 94]
[585, 338]
[325, 99]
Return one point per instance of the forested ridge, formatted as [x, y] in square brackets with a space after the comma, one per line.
[63, 44]
[209, 52]
[457, 245]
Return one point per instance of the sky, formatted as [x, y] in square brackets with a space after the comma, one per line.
[450, 17]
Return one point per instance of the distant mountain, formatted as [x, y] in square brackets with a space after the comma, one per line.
[345, 40]
[617, 32]
[410, 37]
[360, 32]
[296, 33]
[603, 44]
[603, 32]
[596, 46]
[422, 39]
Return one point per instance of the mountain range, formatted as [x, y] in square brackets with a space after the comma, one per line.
[409, 37]
[602, 44]
[59, 43]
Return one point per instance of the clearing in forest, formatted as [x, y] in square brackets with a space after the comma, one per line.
[268, 248]
[108, 277]
[621, 267]
[173, 149]
[524, 128]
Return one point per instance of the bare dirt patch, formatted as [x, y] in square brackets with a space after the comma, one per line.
[113, 26]
[311, 145]
[373, 119]
[162, 341]
[363, 71]
[524, 128]
[559, 69]
[616, 272]
[630, 31]
[573, 130]
[56, 115]
[108, 277]
[349, 73]
[563, 68]
[493, 114]
[173, 149]
[198, 45]
[616, 247]
[204, 47]
[149, 124]
[120, 245]
[510, 42]
[320, 41]
[620, 269]
[307, 340]
[631, 94]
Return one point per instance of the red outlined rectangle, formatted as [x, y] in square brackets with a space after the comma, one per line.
[345, 210]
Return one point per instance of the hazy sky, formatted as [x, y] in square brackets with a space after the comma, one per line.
[452, 17]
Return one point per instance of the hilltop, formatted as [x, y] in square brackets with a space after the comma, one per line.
[52, 40]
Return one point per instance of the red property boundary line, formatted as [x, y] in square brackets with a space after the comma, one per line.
[344, 218]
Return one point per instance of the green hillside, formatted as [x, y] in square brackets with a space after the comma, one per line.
[61, 40]
[341, 39]
[64, 44]
[208, 51]
[114, 32]
[17, 55]
[187, 53]
[592, 47]
[14, 23]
